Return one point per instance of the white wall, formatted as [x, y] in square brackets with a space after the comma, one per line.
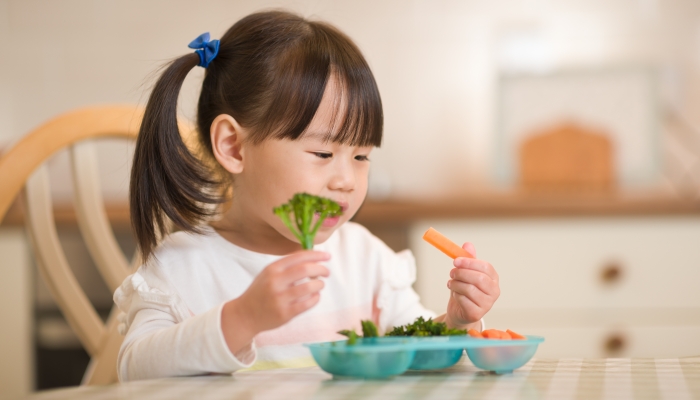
[436, 63]
[7, 130]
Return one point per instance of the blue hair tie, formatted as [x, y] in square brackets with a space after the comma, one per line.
[207, 50]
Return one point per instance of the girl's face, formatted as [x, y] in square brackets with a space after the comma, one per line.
[274, 170]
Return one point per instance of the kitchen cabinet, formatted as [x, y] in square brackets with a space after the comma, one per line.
[594, 286]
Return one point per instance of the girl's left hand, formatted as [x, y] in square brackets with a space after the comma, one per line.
[474, 288]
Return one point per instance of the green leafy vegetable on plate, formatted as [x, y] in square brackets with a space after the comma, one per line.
[421, 327]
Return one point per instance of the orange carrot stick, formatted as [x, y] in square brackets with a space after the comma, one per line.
[444, 244]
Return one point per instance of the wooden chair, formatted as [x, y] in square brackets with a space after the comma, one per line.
[567, 158]
[23, 166]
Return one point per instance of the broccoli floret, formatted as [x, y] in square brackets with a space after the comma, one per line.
[421, 327]
[304, 206]
[351, 334]
[369, 329]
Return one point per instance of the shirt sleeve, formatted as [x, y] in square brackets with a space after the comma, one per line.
[164, 339]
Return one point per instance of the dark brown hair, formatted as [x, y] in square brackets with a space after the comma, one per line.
[270, 75]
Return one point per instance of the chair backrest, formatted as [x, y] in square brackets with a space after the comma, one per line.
[567, 158]
[23, 167]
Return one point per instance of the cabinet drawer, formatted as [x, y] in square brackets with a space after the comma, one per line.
[608, 332]
[566, 262]
[633, 342]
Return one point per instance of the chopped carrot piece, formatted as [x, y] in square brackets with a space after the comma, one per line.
[494, 334]
[475, 333]
[514, 335]
[489, 334]
[444, 244]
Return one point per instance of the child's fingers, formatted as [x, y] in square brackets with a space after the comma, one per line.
[479, 279]
[297, 258]
[298, 292]
[305, 304]
[468, 246]
[469, 310]
[469, 291]
[301, 271]
[476, 265]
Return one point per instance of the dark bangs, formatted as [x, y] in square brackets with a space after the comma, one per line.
[299, 83]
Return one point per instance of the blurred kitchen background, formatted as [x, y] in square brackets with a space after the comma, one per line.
[561, 137]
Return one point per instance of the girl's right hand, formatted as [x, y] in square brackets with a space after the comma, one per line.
[283, 290]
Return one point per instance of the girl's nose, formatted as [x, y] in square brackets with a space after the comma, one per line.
[343, 179]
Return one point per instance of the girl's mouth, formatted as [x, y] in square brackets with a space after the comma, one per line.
[330, 222]
[344, 206]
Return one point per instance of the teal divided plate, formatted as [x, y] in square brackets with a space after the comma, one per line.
[373, 358]
[435, 359]
[505, 358]
[378, 358]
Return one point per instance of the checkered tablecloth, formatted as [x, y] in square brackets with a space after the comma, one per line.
[620, 378]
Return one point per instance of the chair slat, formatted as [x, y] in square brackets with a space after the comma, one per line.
[92, 217]
[102, 369]
[52, 263]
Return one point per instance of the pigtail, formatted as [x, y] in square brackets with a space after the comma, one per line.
[167, 181]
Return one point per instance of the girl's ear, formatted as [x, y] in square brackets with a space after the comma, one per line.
[227, 138]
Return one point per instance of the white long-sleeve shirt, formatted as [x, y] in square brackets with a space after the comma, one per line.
[172, 305]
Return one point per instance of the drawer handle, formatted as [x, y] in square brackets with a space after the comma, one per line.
[611, 273]
[614, 344]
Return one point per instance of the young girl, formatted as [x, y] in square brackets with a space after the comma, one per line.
[287, 105]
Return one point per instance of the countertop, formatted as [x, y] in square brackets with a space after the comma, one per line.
[677, 378]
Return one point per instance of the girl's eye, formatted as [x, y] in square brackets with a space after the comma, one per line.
[323, 155]
[361, 158]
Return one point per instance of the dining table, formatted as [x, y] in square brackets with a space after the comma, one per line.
[566, 378]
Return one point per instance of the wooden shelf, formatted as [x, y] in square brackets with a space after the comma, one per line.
[504, 205]
[510, 205]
